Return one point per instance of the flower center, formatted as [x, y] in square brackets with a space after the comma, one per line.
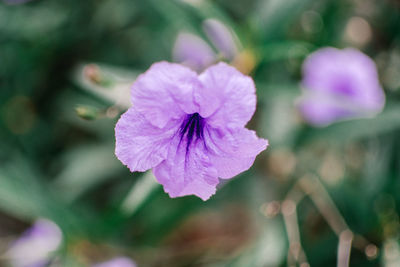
[192, 128]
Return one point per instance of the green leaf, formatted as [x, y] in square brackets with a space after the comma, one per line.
[24, 194]
[86, 167]
[272, 18]
[139, 193]
[284, 50]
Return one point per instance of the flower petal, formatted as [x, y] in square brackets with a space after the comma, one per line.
[139, 144]
[193, 51]
[233, 152]
[322, 109]
[117, 262]
[227, 98]
[223, 38]
[338, 85]
[165, 92]
[187, 171]
[36, 245]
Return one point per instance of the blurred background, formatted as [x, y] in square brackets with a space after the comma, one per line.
[318, 196]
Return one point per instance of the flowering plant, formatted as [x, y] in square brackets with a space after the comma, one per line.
[189, 128]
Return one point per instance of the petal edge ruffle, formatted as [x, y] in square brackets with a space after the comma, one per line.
[165, 92]
[139, 144]
[233, 152]
[227, 97]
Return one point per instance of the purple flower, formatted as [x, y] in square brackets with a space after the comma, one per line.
[339, 84]
[34, 247]
[117, 262]
[222, 37]
[193, 51]
[189, 128]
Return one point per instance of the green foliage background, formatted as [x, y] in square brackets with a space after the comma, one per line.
[56, 165]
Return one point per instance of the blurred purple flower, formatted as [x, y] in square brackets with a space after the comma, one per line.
[339, 84]
[34, 247]
[117, 262]
[222, 38]
[193, 51]
[189, 128]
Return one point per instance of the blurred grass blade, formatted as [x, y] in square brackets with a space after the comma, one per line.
[26, 22]
[86, 167]
[139, 193]
[284, 50]
[272, 17]
[19, 195]
[268, 250]
[175, 15]
[25, 196]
